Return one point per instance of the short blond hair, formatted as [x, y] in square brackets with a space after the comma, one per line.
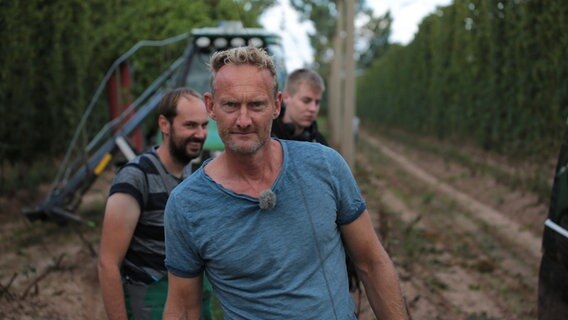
[242, 56]
[310, 77]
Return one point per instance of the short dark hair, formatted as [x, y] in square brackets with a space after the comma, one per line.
[311, 77]
[168, 103]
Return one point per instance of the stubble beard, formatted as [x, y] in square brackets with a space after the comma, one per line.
[249, 149]
[246, 150]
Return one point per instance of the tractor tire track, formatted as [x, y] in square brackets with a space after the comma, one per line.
[504, 226]
[455, 288]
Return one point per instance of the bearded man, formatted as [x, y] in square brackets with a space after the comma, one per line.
[131, 266]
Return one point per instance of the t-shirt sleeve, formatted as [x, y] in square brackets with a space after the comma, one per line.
[131, 180]
[182, 258]
[349, 201]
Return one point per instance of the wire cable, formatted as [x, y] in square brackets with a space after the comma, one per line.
[317, 244]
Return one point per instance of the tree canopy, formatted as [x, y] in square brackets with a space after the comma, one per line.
[490, 73]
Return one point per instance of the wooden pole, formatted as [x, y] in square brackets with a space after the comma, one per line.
[335, 89]
[348, 145]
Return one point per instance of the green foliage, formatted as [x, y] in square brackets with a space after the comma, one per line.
[489, 72]
[376, 33]
[54, 53]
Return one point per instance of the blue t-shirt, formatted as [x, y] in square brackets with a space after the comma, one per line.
[287, 262]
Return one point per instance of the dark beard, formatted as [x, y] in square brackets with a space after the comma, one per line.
[179, 151]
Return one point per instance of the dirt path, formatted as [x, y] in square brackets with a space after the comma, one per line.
[505, 226]
[47, 271]
[457, 256]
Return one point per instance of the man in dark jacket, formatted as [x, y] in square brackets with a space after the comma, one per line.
[302, 97]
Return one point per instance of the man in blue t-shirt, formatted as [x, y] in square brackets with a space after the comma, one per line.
[264, 219]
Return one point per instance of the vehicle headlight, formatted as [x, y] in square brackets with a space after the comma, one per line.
[237, 42]
[220, 43]
[255, 42]
[202, 42]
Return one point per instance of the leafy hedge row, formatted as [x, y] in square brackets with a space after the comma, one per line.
[491, 72]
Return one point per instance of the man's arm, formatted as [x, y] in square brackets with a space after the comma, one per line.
[184, 298]
[374, 267]
[121, 216]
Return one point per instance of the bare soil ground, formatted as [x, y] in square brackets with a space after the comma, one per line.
[48, 271]
[465, 245]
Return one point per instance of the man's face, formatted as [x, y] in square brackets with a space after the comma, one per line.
[188, 130]
[244, 105]
[303, 106]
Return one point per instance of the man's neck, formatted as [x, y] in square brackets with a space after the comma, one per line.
[248, 174]
[297, 129]
[172, 166]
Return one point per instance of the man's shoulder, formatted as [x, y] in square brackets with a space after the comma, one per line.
[299, 144]
[193, 181]
[194, 192]
[141, 163]
[308, 150]
[135, 172]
